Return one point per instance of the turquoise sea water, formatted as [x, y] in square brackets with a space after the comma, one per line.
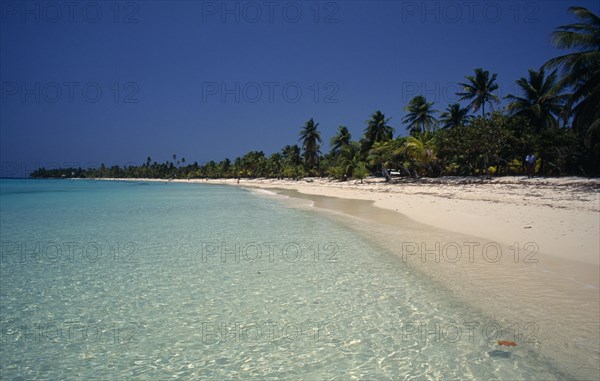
[127, 280]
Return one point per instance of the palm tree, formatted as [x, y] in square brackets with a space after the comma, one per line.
[581, 70]
[420, 115]
[225, 166]
[455, 116]
[421, 152]
[380, 155]
[253, 164]
[350, 158]
[542, 102]
[479, 90]
[291, 155]
[310, 138]
[360, 171]
[274, 165]
[341, 139]
[377, 130]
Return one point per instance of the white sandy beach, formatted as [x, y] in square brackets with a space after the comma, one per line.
[561, 215]
[558, 292]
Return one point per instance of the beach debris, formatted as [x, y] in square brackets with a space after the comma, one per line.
[507, 343]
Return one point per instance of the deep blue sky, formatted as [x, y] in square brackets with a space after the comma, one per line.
[103, 81]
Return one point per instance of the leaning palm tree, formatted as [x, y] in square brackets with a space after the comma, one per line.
[341, 139]
[377, 130]
[310, 138]
[420, 115]
[479, 90]
[581, 70]
[542, 102]
[455, 116]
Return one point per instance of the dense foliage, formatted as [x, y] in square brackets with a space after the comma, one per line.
[555, 117]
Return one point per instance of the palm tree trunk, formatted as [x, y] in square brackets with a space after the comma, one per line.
[385, 173]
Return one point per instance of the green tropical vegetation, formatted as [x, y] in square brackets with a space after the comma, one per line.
[419, 117]
[480, 90]
[581, 72]
[556, 116]
[311, 139]
[455, 116]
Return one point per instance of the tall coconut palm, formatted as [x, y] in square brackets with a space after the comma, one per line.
[377, 130]
[542, 102]
[341, 139]
[581, 70]
[310, 138]
[479, 90]
[420, 115]
[455, 116]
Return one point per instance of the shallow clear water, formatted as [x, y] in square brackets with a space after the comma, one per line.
[125, 280]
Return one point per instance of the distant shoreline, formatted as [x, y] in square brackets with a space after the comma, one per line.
[561, 214]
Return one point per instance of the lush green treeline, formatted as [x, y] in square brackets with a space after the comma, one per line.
[556, 117]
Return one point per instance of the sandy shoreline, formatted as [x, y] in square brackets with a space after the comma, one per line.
[562, 216]
[557, 293]
[551, 295]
